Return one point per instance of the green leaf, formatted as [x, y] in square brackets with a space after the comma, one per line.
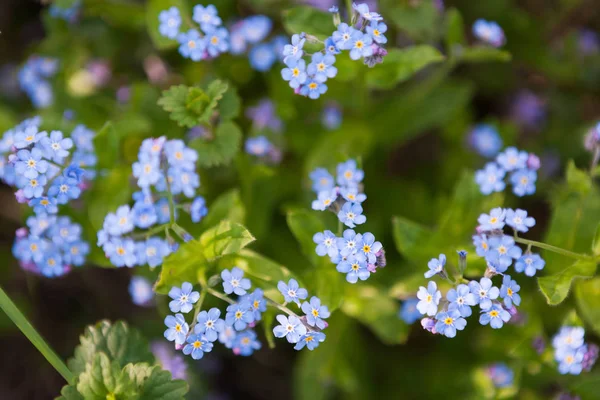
[154, 383]
[587, 295]
[69, 392]
[153, 9]
[190, 261]
[128, 15]
[121, 343]
[596, 242]
[455, 34]
[401, 64]
[174, 101]
[108, 193]
[108, 140]
[103, 379]
[215, 92]
[370, 305]
[482, 54]
[578, 180]
[221, 149]
[227, 206]
[230, 104]
[409, 236]
[308, 20]
[304, 224]
[420, 21]
[556, 287]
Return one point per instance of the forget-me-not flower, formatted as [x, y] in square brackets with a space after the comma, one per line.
[183, 298]
[429, 299]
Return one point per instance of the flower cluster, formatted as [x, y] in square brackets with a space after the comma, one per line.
[51, 245]
[264, 121]
[69, 14]
[356, 255]
[165, 173]
[235, 331]
[485, 140]
[497, 304]
[262, 148]
[331, 117]
[140, 290]
[363, 36]
[489, 32]
[34, 162]
[33, 79]
[249, 34]
[500, 250]
[571, 352]
[501, 375]
[592, 139]
[522, 169]
[207, 42]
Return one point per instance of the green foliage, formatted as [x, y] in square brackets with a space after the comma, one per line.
[556, 287]
[309, 20]
[455, 34]
[221, 148]
[154, 383]
[127, 15]
[107, 139]
[482, 54]
[108, 193]
[227, 206]
[191, 261]
[153, 9]
[402, 64]
[587, 295]
[103, 379]
[419, 21]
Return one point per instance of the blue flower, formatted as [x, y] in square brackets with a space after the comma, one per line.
[74, 172]
[436, 266]
[313, 89]
[234, 281]
[258, 304]
[330, 46]
[177, 329]
[481, 243]
[207, 17]
[227, 336]
[52, 265]
[326, 244]
[363, 11]
[518, 220]
[30, 163]
[32, 187]
[501, 375]
[197, 345]
[162, 211]
[121, 252]
[360, 45]
[140, 290]
[311, 340]
[294, 50]
[348, 174]
[571, 337]
[530, 263]
[490, 178]
[428, 299]
[343, 36]
[321, 180]
[120, 222]
[38, 224]
[494, 315]
[217, 41]
[291, 328]
[321, 68]
[351, 215]
[198, 209]
[489, 32]
[370, 247]
[209, 324]
[258, 146]
[349, 243]
[333, 9]
[183, 298]
[63, 231]
[144, 215]
[27, 136]
[43, 205]
[315, 312]
[484, 292]
[325, 198]
[75, 253]
[292, 291]
[493, 221]
[191, 45]
[485, 140]
[503, 250]
[64, 189]
[295, 72]
[523, 182]
[55, 147]
[512, 159]
[239, 315]
[352, 195]
[355, 267]
[152, 252]
[83, 138]
[180, 156]
[256, 28]
[245, 343]
[147, 170]
[262, 57]
[376, 30]
[461, 299]
[509, 292]
[409, 312]
[170, 21]
[448, 322]
[570, 361]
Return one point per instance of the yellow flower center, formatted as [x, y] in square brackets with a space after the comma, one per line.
[295, 72]
[376, 32]
[366, 248]
[51, 262]
[256, 304]
[192, 44]
[197, 344]
[493, 220]
[178, 328]
[494, 313]
[33, 247]
[484, 245]
[33, 182]
[429, 298]
[309, 339]
[448, 321]
[246, 341]
[120, 251]
[355, 267]
[238, 314]
[315, 312]
[509, 291]
[348, 174]
[214, 40]
[44, 202]
[312, 85]
[359, 44]
[321, 67]
[29, 138]
[31, 163]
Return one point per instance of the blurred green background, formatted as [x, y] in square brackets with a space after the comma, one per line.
[407, 123]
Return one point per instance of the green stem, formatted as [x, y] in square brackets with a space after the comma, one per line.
[182, 233]
[349, 11]
[554, 249]
[34, 337]
[170, 198]
[280, 307]
[197, 308]
[219, 295]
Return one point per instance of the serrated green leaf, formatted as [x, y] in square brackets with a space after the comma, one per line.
[197, 100]
[400, 64]
[587, 295]
[556, 287]
[108, 140]
[155, 383]
[455, 34]
[173, 100]
[118, 341]
[308, 20]
[377, 311]
[215, 92]
[230, 105]
[108, 193]
[190, 261]
[482, 54]
[69, 392]
[221, 149]
[153, 9]
[103, 379]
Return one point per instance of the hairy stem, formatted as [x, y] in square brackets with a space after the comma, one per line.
[218, 295]
[553, 249]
